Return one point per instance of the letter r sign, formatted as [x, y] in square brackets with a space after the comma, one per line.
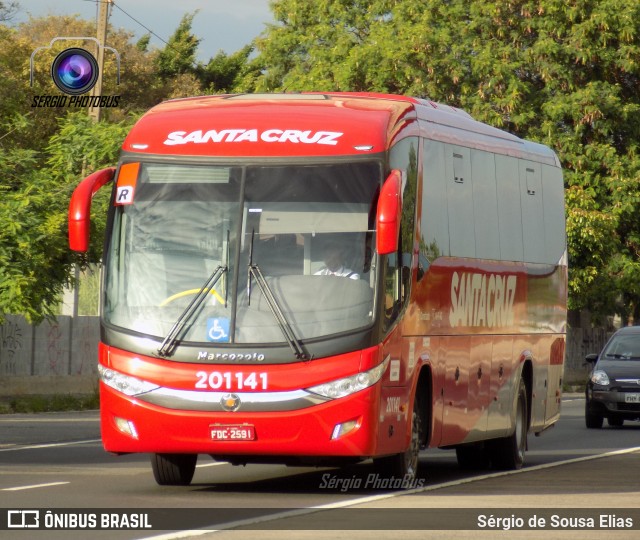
[126, 184]
[124, 195]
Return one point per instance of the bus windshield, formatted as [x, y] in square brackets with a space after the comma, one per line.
[306, 229]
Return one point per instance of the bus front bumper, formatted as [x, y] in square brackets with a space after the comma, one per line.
[344, 427]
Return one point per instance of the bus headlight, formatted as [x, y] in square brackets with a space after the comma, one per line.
[131, 386]
[350, 385]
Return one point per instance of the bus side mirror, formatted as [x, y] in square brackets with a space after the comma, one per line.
[388, 215]
[80, 207]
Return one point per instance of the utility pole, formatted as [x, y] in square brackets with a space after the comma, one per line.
[104, 10]
[103, 19]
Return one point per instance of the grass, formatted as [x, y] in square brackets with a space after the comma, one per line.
[49, 403]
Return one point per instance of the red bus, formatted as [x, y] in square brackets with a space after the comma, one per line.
[325, 278]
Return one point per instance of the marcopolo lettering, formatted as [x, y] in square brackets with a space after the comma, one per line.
[483, 300]
[253, 135]
[238, 356]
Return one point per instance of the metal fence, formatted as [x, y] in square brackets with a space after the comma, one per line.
[48, 357]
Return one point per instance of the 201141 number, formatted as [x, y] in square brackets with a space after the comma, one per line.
[226, 380]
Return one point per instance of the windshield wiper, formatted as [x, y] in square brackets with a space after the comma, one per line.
[169, 343]
[274, 306]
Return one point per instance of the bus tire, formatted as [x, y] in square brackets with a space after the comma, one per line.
[507, 453]
[405, 464]
[173, 469]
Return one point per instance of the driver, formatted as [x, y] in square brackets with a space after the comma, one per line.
[334, 263]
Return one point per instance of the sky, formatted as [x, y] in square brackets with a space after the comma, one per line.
[225, 25]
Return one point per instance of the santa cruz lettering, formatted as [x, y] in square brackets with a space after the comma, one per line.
[253, 135]
[482, 299]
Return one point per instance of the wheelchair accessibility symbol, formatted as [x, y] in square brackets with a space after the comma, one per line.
[218, 330]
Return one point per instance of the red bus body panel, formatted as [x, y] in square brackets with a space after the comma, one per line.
[232, 127]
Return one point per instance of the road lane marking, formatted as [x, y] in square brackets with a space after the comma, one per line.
[34, 486]
[48, 445]
[374, 498]
[180, 534]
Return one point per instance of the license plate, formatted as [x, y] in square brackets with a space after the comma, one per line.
[632, 398]
[243, 432]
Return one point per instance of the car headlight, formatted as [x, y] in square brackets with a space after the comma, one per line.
[350, 385]
[600, 377]
[131, 386]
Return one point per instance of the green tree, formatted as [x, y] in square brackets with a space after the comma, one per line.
[181, 73]
[35, 261]
[224, 73]
[563, 73]
[179, 54]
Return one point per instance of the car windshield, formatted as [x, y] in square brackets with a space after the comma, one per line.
[308, 230]
[623, 348]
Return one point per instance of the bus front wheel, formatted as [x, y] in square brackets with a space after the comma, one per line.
[173, 469]
[405, 464]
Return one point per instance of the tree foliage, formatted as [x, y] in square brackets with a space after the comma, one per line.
[562, 73]
[179, 55]
[35, 261]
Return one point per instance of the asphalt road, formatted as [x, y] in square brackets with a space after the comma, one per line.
[56, 461]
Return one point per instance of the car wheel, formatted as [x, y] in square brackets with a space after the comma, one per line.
[173, 469]
[615, 421]
[592, 419]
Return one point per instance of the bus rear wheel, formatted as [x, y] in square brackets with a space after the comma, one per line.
[173, 469]
[508, 453]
